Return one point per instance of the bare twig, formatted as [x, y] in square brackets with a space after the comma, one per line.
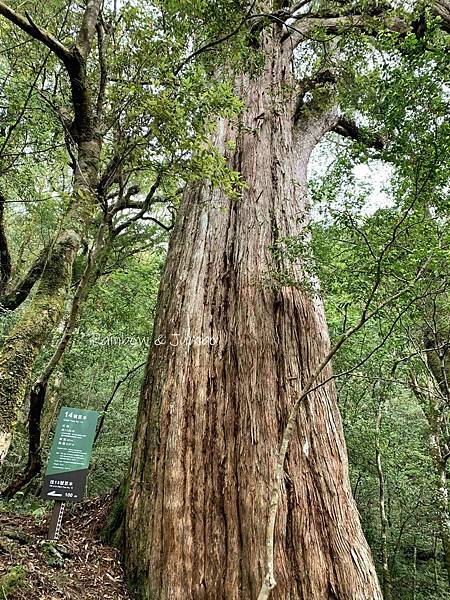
[111, 398]
[269, 582]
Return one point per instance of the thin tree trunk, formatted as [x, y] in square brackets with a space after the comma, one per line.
[435, 563]
[439, 463]
[23, 343]
[38, 392]
[44, 311]
[387, 585]
[236, 336]
[53, 403]
[433, 405]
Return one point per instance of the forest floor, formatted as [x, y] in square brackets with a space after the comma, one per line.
[78, 567]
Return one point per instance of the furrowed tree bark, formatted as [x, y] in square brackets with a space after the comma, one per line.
[236, 336]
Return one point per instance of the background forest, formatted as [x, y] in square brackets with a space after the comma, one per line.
[156, 78]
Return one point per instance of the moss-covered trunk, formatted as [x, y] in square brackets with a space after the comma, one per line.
[26, 338]
[44, 310]
[38, 396]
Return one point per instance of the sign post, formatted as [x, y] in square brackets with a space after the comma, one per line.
[54, 527]
[68, 464]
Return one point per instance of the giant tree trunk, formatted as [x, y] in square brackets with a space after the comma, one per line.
[214, 405]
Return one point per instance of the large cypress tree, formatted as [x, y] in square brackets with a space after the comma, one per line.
[238, 334]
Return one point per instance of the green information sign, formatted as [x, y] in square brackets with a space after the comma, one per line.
[67, 468]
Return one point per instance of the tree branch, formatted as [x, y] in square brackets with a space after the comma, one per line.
[103, 70]
[5, 257]
[349, 129]
[145, 206]
[42, 35]
[87, 29]
[111, 398]
[336, 25]
[332, 25]
[215, 42]
[14, 296]
[74, 59]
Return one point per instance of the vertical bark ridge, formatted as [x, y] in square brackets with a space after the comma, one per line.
[211, 416]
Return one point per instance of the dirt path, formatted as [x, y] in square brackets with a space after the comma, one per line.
[81, 568]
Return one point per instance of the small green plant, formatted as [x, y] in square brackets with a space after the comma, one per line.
[52, 555]
[15, 578]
